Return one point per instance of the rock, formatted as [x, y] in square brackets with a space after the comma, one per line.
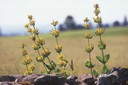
[8, 83]
[71, 80]
[105, 79]
[85, 79]
[122, 73]
[50, 80]
[7, 78]
[27, 79]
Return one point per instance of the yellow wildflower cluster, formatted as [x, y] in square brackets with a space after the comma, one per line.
[58, 48]
[45, 52]
[55, 33]
[101, 45]
[27, 60]
[89, 47]
[97, 19]
[39, 43]
[62, 62]
[99, 31]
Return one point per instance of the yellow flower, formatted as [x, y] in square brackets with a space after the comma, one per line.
[26, 25]
[32, 23]
[86, 26]
[55, 33]
[27, 60]
[35, 46]
[88, 35]
[60, 56]
[89, 48]
[97, 11]
[29, 30]
[54, 23]
[28, 73]
[96, 6]
[24, 52]
[31, 67]
[40, 41]
[61, 63]
[30, 17]
[39, 58]
[45, 52]
[58, 48]
[86, 19]
[97, 19]
[99, 31]
[33, 37]
[35, 31]
[22, 45]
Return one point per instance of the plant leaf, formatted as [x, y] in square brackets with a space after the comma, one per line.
[89, 64]
[106, 58]
[105, 70]
[53, 64]
[95, 73]
[100, 59]
[49, 67]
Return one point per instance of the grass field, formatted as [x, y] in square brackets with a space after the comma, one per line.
[73, 43]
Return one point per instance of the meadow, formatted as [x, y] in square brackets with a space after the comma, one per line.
[73, 43]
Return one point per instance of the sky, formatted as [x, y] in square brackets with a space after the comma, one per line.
[13, 13]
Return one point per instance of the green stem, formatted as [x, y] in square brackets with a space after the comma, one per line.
[102, 51]
[90, 57]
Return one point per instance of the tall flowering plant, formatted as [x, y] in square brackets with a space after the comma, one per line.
[101, 45]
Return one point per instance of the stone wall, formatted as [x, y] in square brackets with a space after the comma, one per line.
[116, 76]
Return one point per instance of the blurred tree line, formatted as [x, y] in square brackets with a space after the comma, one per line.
[70, 24]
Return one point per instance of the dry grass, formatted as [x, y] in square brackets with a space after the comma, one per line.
[73, 44]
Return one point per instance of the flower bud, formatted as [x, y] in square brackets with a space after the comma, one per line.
[26, 25]
[35, 31]
[97, 11]
[29, 30]
[99, 31]
[62, 63]
[86, 19]
[60, 56]
[58, 48]
[97, 19]
[22, 45]
[86, 26]
[33, 37]
[39, 58]
[101, 45]
[24, 52]
[54, 23]
[88, 35]
[96, 6]
[30, 17]
[27, 60]
[55, 33]
[89, 48]
[32, 23]
[31, 67]
[35, 46]
[46, 52]
[40, 41]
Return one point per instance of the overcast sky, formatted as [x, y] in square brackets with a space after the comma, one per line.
[14, 12]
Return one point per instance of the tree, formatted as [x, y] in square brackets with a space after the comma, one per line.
[125, 22]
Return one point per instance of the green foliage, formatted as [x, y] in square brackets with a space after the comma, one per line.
[89, 64]
[44, 53]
